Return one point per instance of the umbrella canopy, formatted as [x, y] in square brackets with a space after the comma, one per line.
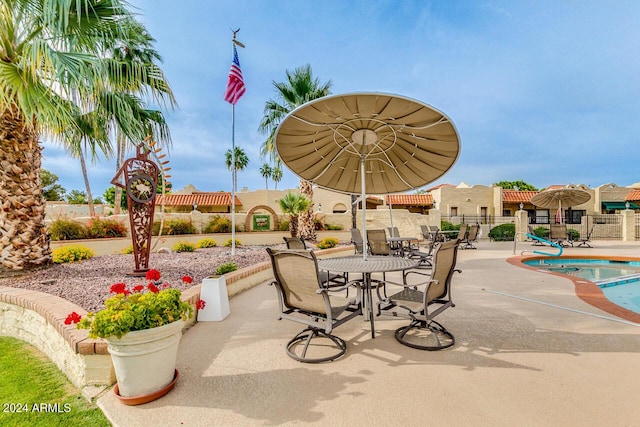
[557, 198]
[371, 143]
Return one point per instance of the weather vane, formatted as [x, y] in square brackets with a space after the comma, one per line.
[236, 42]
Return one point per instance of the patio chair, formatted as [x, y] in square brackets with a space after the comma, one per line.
[462, 232]
[584, 241]
[329, 279]
[393, 231]
[471, 238]
[423, 332]
[378, 245]
[356, 239]
[558, 233]
[302, 298]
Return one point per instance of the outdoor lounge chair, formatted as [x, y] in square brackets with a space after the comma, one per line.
[531, 232]
[304, 299]
[462, 232]
[584, 241]
[471, 238]
[329, 279]
[423, 332]
[356, 239]
[558, 234]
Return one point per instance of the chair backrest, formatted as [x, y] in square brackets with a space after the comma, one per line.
[356, 239]
[377, 240]
[472, 236]
[426, 233]
[444, 262]
[393, 231]
[297, 276]
[557, 231]
[295, 243]
[462, 234]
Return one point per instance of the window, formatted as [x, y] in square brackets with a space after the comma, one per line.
[454, 211]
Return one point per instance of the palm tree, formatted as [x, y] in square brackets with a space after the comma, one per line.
[300, 88]
[266, 171]
[294, 205]
[241, 162]
[49, 50]
[276, 175]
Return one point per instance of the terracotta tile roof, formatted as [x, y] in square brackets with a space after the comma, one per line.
[220, 198]
[410, 199]
[633, 196]
[516, 196]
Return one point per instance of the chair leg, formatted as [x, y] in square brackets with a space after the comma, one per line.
[304, 340]
[421, 335]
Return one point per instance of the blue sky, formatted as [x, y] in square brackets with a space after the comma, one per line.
[542, 91]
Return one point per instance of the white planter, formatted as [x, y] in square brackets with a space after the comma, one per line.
[145, 361]
[214, 293]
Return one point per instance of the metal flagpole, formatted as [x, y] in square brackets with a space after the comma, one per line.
[233, 178]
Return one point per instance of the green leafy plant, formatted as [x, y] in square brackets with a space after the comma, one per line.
[135, 310]
[573, 234]
[328, 242]
[174, 227]
[503, 232]
[542, 232]
[66, 229]
[229, 241]
[128, 250]
[71, 253]
[101, 227]
[184, 247]
[218, 224]
[226, 268]
[206, 243]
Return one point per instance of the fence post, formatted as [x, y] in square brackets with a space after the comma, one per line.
[628, 225]
[522, 222]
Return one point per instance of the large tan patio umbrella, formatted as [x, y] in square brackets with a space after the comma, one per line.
[367, 143]
[561, 197]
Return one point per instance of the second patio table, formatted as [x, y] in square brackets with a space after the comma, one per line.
[373, 264]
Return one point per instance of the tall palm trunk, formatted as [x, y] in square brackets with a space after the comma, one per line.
[87, 185]
[23, 238]
[120, 144]
[306, 225]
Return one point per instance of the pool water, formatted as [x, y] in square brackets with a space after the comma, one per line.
[619, 280]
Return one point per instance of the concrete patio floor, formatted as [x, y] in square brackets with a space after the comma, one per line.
[528, 352]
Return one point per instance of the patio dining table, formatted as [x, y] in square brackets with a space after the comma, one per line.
[372, 264]
[404, 243]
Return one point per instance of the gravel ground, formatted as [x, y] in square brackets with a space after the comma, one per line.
[87, 283]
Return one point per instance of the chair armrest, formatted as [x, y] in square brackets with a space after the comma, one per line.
[346, 286]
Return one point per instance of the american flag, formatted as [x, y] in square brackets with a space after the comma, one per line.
[235, 86]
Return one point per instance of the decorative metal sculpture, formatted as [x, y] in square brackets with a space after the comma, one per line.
[140, 181]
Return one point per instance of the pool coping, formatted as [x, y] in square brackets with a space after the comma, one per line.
[585, 289]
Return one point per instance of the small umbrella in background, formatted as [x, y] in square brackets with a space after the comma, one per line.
[561, 197]
[363, 143]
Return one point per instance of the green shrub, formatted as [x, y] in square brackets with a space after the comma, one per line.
[333, 227]
[227, 244]
[503, 232]
[100, 227]
[184, 247]
[128, 250]
[542, 232]
[66, 229]
[226, 268]
[174, 227]
[71, 253]
[573, 234]
[447, 226]
[206, 243]
[284, 225]
[328, 242]
[218, 224]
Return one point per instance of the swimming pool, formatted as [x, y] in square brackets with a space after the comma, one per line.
[618, 279]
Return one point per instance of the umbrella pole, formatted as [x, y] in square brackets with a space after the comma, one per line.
[363, 203]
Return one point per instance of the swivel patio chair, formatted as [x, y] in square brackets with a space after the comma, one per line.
[304, 299]
[421, 305]
[329, 279]
[585, 241]
[471, 238]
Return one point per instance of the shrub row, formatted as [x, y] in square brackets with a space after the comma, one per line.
[97, 228]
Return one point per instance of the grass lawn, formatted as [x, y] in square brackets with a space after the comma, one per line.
[33, 391]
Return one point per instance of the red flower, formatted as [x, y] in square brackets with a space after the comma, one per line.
[165, 285]
[119, 288]
[187, 279]
[200, 304]
[72, 318]
[153, 288]
[153, 275]
[138, 288]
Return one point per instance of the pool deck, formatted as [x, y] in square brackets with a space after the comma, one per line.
[528, 352]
